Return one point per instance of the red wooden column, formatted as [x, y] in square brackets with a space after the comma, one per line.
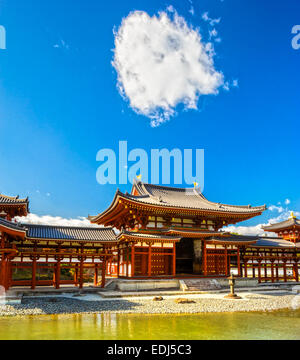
[276, 270]
[245, 267]
[103, 272]
[266, 269]
[272, 270]
[284, 270]
[226, 261]
[259, 271]
[204, 259]
[81, 273]
[96, 275]
[76, 275]
[118, 261]
[4, 281]
[9, 264]
[127, 260]
[238, 262]
[174, 260]
[295, 271]
[33, 278]
[57, 274]
[149, 259]
[132, 260]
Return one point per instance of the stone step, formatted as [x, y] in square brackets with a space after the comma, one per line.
[201, 284]
[7, 300]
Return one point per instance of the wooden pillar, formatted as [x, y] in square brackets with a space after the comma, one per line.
[118, 262]
[239, 262]
[174, 260]
[295, 271]
[76, 275]
[284, 270]
[96, 275]
[253, 268]
[259, 271]
[9, 273]
[226, 261]
[149, 260]
[246, 266]
[204, 258]
[103, 273]
[276, 271]
[272, 270]
[57, 274]
[33, 277]
[132, 260]
[81, 273]
[4, 281]
[127, 259]
[266, 269]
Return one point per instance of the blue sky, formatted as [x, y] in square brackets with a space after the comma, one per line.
[59, 103]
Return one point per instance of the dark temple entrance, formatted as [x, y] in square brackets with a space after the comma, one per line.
[184, 256]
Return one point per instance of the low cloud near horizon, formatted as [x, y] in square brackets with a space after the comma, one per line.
[162, 62]
[80, 221]
[282, 214]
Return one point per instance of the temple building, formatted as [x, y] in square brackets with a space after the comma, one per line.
[288, 230]
[173, 231]
[152, 232]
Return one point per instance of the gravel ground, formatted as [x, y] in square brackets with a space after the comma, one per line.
[250, 302]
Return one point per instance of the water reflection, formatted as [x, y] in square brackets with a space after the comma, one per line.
[277, 325]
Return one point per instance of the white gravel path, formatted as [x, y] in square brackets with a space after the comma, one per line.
[203, 303]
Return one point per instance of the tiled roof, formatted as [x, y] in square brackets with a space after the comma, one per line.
[190, 198]
[283, 225]
[142, 235]
[234, 239]
[69, 233]
[12, 200]
[275, 242]
[11, 225]
[192, 233]
[255, 241]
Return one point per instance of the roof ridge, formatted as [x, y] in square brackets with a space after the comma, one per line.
[17, 197]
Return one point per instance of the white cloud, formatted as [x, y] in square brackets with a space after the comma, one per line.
[235, 83]
[54, 220]
[211, 21]
[246, 230]
[192, 10]
[284, 214]
[279, 209]
[287, 201]
[161, 62]
[61, 45]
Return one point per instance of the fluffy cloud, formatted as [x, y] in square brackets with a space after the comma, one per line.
[279, 209]
[161, 62]
[246, 230]
[54, 220]
[284, 214]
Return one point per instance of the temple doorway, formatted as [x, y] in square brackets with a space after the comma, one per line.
[184, 256]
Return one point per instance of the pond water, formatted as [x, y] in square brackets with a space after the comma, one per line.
[275, 325]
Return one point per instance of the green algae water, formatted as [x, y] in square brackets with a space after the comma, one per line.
[273, 325]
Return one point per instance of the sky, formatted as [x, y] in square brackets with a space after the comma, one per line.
[80, 76]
